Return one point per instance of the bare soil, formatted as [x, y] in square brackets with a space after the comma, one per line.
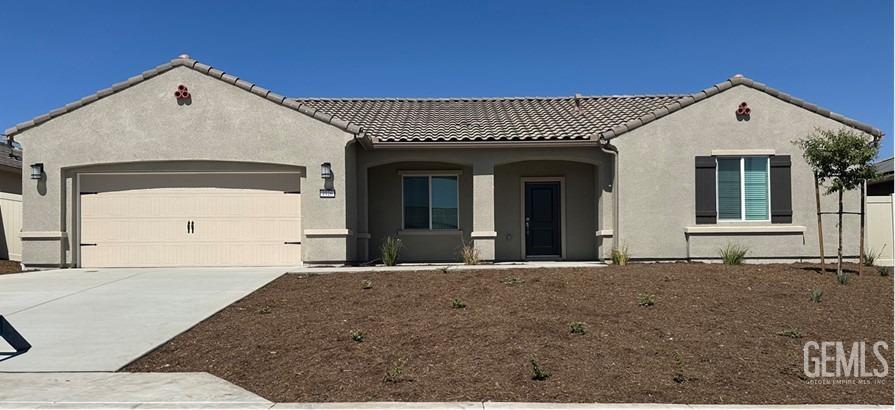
[7, 267]
[712, 336]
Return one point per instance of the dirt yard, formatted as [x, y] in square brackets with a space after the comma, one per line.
[10, 267]
[715, 334]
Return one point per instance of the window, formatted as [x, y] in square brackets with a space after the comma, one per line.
[743, 189]
[430, 202]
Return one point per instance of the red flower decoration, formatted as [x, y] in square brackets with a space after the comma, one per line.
[182, 92]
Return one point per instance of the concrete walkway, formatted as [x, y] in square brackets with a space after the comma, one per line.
[124, 390]
[102, 319]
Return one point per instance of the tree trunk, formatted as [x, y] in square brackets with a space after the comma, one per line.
[839, 254]
[820, 224]
[862, 256]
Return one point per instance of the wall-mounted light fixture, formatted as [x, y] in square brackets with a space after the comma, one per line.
[37, 170]
[326, 170]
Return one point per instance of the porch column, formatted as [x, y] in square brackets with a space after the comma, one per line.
[483, 234]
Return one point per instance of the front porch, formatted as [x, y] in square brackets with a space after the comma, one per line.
[523, 204]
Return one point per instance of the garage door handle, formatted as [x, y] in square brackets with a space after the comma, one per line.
[192, 226]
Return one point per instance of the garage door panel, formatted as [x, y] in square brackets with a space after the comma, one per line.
[148, 225]
[106, 230]
[203, 254]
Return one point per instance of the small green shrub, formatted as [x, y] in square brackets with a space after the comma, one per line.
[790, 333]
[366, 284]
[870, 256]
[456, 303]
[391, 247]
[621, 256]
[883, 270]
[264, 310]
[816, 294]
[646, 299]
[513, 280]
[679, 377]
[537, 372]
[843, 278]
[357, 336]
[578, 328]
[733, 254]
[395, 372]
[469, 255]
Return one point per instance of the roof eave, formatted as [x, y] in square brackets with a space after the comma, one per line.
[206, 69]
[726, 85]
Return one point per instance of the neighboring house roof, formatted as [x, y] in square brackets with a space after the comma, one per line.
[403, 120]
[885, 167]
[9, 157]
[186, 61]
[489, 119]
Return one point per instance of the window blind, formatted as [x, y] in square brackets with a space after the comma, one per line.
[755, 185]
[729, 199]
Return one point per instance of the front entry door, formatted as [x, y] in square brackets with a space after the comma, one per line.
[542, 219]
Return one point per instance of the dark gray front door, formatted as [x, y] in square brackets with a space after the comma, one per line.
[542, 219]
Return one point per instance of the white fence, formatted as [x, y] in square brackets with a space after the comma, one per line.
[11, 221]
[879, 228]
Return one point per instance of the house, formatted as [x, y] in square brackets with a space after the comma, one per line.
[187, 165]
[10, 202]
[883, 185]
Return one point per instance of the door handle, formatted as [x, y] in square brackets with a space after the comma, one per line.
[187, 226]
[192, 226]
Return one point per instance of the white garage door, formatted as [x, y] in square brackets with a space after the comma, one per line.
[190, 220]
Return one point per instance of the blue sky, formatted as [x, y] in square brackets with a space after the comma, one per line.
[837, 54]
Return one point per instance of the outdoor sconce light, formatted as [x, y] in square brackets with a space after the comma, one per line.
[37, 170]
[326, 170]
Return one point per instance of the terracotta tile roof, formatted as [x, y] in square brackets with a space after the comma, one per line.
[399, 120]
[489, 119]
[466, 119]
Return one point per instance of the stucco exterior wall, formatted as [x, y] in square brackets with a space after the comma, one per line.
[657, 178]
[145, 123]
[579, 206]
[11, 180]
[386, 207]
[484, 197]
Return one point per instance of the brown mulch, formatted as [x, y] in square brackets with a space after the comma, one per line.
[10, 267]
[711, 337]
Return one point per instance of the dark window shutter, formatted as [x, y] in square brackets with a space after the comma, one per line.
[781, 190]
[706, 211]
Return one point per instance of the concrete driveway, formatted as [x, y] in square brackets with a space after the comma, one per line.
[102, 319]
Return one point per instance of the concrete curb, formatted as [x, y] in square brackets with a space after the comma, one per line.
[415, 406]
[552, 406]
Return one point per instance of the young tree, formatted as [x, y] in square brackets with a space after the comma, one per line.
[842, 160]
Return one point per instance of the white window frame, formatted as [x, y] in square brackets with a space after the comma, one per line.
[742, 159]
[428, 177]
